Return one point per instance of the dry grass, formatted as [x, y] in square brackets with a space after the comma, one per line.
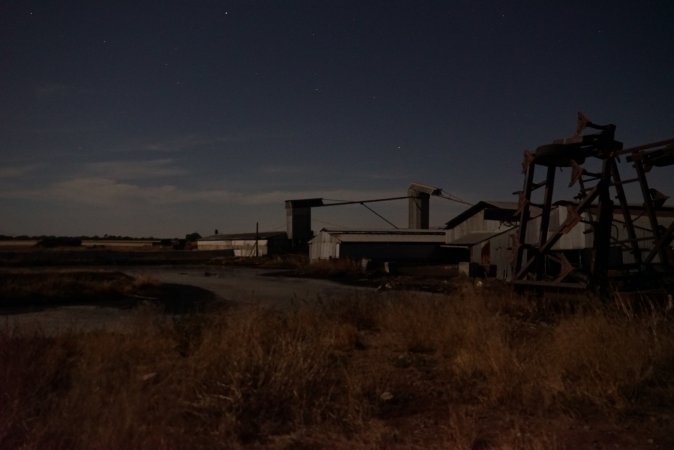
[331, 267]
[471, 371]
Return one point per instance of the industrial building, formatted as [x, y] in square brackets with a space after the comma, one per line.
[483, 230]
[298, 212]
[380, 245]
[488, 231]
[481, 221]
[534, 241]
[247, 244]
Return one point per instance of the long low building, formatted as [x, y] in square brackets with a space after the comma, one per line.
[247, 244]
[382, 245]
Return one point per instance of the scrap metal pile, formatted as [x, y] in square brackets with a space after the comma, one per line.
[615, 233]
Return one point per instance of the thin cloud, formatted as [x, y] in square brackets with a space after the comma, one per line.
[280, 196]
[134, 170]
[181, 143]
[18, 171]
[103, 191]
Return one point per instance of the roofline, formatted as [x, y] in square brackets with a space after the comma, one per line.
[479, 206]
[419, 231]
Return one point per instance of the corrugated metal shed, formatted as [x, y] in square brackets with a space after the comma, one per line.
[403, 235]
[480, 221]
[377, 244]
[247, 244]
[489, 210]
[473, 238]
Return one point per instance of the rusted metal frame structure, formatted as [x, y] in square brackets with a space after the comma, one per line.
[608, 150]
[618, 183]
[660, 154]
[545, 245]
[638, 156]
[600, 145]
[525, 216]
[530, 186]
[660, 244]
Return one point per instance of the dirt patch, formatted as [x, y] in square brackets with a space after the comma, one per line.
[179, 298]
[447, 283]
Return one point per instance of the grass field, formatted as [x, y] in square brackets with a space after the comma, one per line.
[480, 369]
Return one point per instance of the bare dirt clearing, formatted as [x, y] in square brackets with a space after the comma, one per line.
[247, 285]
[64, 302]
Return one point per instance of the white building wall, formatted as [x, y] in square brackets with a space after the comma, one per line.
[214, 245]
[476, 252]
[475, 224]
[246, 247]
[240, 247]
[574, 239]
[502, 256]
[323, 246]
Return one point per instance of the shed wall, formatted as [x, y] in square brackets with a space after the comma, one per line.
[475, 224]
[390, 251]
[323, 246]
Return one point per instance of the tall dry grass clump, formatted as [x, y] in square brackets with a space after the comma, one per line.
[478, 369]
[34, 374]
[606, 362]
[332, 267]
[267, 373]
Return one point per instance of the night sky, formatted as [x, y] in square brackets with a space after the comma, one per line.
[167, 117]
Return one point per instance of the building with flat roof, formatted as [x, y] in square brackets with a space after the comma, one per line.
[247, 244]
[380, 245]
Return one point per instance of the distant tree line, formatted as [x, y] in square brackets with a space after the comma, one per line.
[106, 237]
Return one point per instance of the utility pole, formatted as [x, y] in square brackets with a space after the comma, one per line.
[257, 238]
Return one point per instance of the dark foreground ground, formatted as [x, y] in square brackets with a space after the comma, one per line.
[12, 257]
[382, 367]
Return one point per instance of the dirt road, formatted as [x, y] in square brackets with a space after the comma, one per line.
[237, 285]
[248, 285]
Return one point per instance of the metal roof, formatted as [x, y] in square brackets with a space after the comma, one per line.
[475, 238]
[388, 236]
[304, 203]
[425, 188]
[503, 205]
[400, 231]
[479, 206]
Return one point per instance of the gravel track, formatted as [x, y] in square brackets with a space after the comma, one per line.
[234, 285]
